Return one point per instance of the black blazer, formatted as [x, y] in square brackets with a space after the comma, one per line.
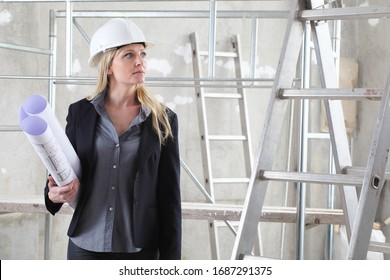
[156, 199]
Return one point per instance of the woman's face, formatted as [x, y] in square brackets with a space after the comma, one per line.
[129, 66]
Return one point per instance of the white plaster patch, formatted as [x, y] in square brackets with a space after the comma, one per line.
[160, 98]
[184, 51]
[364, 4]
[245, 68]
[182, 100]
[314, 59]
[160, 65]
[3, 171]
[179, 100]
[266, 72]
[229, 65]
[71, 87]
[373, 21]
[76, 67]
[5, 17]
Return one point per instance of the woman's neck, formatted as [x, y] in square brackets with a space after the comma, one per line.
[121, 97]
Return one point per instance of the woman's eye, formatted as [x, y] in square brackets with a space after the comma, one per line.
[131, 55]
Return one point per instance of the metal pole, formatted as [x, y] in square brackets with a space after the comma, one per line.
[69, 23]
[51, 100]
[301, 195]
[52, 59]
[212, 37]
[330, 202]
[331, 188]
[254, 39]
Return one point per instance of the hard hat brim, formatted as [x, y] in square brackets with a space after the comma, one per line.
[92, 61]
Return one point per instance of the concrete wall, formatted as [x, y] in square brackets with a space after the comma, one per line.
[22, 235]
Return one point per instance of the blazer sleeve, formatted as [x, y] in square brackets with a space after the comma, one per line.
[169, 196]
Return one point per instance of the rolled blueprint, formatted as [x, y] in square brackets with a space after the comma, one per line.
[49, 140]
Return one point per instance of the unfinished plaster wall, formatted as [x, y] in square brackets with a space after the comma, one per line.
[22, 173]
[27, 24]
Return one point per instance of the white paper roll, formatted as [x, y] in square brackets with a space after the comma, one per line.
[49, 140]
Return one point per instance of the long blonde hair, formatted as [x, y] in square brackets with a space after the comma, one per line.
[158, 111]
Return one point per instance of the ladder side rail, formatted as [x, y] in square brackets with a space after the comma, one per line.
[202, 114]
[243, 107]
[245, 127]
[335, 116]
[205, 143]
[373, 182]
[273, 123]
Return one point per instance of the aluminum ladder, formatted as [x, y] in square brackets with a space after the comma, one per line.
[208, 137]
[359, 213]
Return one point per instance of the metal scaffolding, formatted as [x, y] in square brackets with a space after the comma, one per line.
[72, 21]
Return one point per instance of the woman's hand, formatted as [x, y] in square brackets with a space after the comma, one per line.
[63, 194]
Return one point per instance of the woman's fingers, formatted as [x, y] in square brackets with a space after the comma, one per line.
[63, 194]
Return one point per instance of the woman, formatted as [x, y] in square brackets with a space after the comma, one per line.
[128, 197]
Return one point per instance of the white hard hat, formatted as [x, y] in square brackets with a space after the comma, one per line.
[115, 33]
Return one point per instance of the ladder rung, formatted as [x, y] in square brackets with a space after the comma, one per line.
[222, 223]
[341, 179]
[319, 135]
[254, 258]
[328, 93]
[219, 54]
[345, 13]
[230, 180]
[272, 214]
[227, 137]
[379, 247]
[373, 247]
[10, 128]
[359, 171]
[222, 95]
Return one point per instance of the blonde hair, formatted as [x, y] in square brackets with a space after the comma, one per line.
[158, 111]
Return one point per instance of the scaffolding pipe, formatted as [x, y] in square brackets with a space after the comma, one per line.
[203, 191]
[331, 188]
[112, 1]
[176, 14]
[253, 44]
[288, 168]
[69, 38]
[25, 49]
[151, 81]
[212, 37]
[81, 30]
[303, 146]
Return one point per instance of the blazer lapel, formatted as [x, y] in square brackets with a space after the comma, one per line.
[86, 131]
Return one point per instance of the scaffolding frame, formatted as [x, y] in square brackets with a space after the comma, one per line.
[70, 15]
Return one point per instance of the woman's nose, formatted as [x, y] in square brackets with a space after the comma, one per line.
[138, 60]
